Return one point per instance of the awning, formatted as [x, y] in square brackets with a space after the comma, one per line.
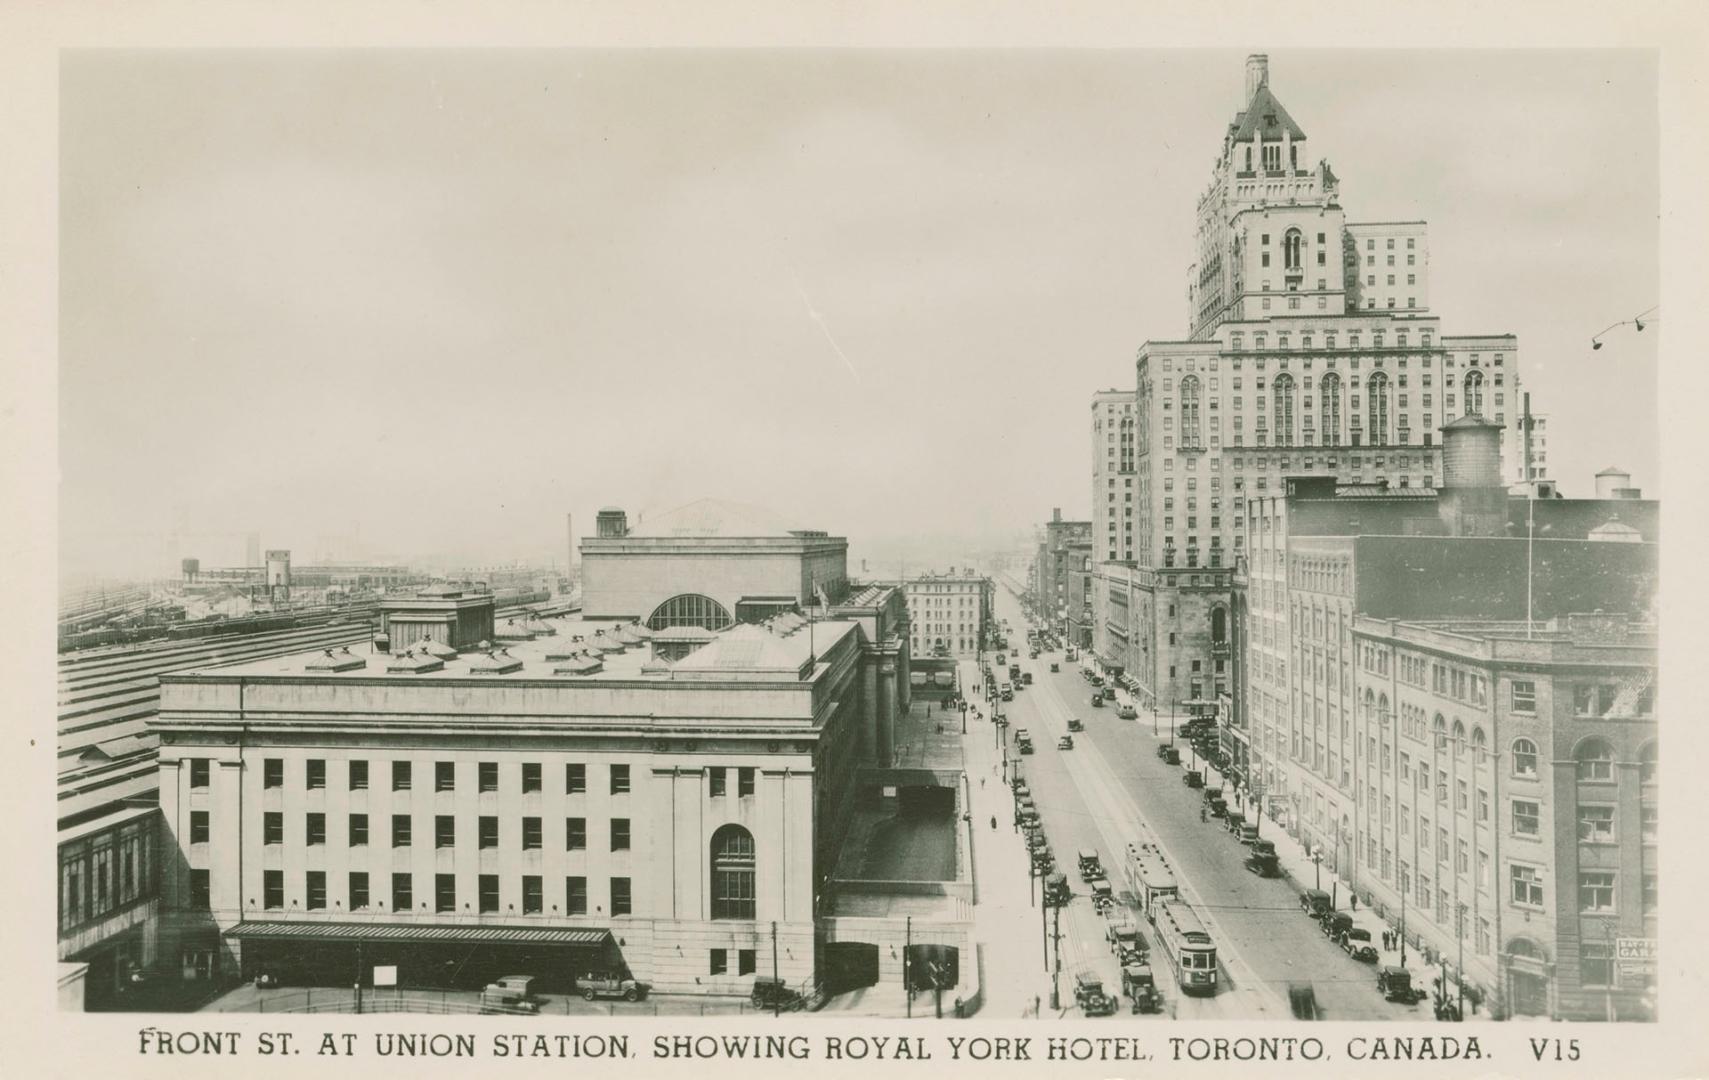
[308, 930]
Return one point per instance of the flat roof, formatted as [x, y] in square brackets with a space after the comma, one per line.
[732, 651]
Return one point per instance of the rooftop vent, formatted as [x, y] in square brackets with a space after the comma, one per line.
[495, 663]
[578, 664]
[414, 663]
[339, 661]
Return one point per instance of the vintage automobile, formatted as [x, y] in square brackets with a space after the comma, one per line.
[1065, 743]
[1097, 699]
[1089, 995]
[1026, 678]
[1334, 924]
[609, 984]
[1090, 865]
[1169, 754]
[1103, 897]
[510, 994]
[1215, 807]
[1356, 942]
[1127, 712]
[771, 993]
[1193, 778]
[1043, 861]
[1033, 655]
[1314, 902]
[1395, 984]
[1055, 667]
[1248, 833]
[1071, 654]
[1263, 861]
[1036, 840]
[1141, 988]
[1232, 821]
[1056, 890]
[1022, 791]
[1076, 724]
[1008, 692]
[1125, 941]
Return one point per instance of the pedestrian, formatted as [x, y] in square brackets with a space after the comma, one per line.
[982, 781]
[1202, 817]
[993, 822]
[1036, 1006]
[1352, 900]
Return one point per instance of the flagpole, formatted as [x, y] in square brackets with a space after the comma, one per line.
[1530, 545]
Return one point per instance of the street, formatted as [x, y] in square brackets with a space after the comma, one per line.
[1097, 794]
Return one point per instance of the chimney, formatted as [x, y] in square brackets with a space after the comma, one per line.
[1257, 74]
[1056, 514]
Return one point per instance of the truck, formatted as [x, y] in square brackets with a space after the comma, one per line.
[1014, 673]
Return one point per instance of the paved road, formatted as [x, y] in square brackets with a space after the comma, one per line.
[1095, 795]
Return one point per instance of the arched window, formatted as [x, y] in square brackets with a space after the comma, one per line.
[1647, 764]
[1524, 758]
[1283, 388]
[1474, 393]
[1480, 744]
[732, 873]
[1377, 401]
[689, 609]
[1219, 625]
[1190, 411]
[1595, 760]
[1459, 731]
[1524, 949]
[1291, 249]
[1441, 727]
[1329, 408]
[1382, 708]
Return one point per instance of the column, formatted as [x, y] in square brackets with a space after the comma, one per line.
[869, 709]
[886, 712]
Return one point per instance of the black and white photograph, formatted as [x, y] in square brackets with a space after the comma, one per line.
[1119, 553]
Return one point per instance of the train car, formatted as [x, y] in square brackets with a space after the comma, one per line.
[1150, 878]
[1187, 946]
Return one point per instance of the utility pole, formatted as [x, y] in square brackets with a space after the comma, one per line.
[1056, 972]
[1403, 892]
[1044, 926]
[358, 976]
[776, 998]
[908, 947]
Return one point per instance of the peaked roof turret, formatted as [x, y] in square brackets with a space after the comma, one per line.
[1265, 116]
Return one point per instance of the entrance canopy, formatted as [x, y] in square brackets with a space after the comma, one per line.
[303, 930]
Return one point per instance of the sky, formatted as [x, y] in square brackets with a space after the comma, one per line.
[421, 305]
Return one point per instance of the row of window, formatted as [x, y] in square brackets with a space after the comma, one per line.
[403, 893]
[445, 776]
[444, 830]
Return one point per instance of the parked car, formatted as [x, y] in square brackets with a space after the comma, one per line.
[1335, 924]
[1090, 865]
[1314, 902]
[609, 984]
[1127, 712]
[1141, 988]
[1395, 984]
[1056, 891]
[1248, 832]
[1169, 754]
[1356, 942]
[1089, 995]
[1098, 699]
[1263, 861]
[769, 992]
[1193, 778]
[1215, 807]
[510, 994]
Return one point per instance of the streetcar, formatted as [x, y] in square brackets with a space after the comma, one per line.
[1187, 945]
[1150, 878]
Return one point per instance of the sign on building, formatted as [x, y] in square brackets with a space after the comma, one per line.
[385, 975]
[1635, 955]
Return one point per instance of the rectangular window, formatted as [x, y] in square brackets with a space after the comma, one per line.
[530, 776]
[400, 830]
[575, 834]
[273, 772]
[1527, 886]
[200, 897]
[488, 831]
[487, 776]
[401, 775]
[273, 889]
[747, 961]
[444, 892]
[533, 895]
[532, 834]
[199, 827]
[1596, 890]
[1649, 819]
[358, 776]
[620, 896]
[317, 773]
[358, 830]
[444, 831]
[620, 779]
[1524, 696]
[315, 829]
[316, 890]
[272, 827]
[1525, 817]
[444, 776]
[715, 778]
[358, 890]
[720, 961]
[575, 778]
[620, 834]
[1596, 824]
[745, 781]
[198, 772]
[575, 895]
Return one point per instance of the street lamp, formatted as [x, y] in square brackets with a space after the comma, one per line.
[1317, 867]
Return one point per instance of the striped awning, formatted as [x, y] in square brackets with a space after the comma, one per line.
[309, 930]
